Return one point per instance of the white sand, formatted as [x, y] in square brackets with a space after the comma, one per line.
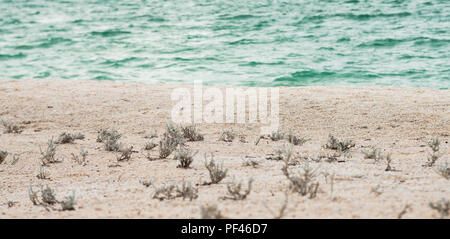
[398, 119]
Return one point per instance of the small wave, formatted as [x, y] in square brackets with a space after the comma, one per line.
[257, 63]
[304, 77]
[149, 18]
[237, 17]
[433, 42]
[4, 57]
[122, 62]
[365, 17]
[316, 19]
[46, 44]
[386, 42]
[241, 42]
[110, 33]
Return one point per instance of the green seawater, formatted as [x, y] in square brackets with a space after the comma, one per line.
[232, 42]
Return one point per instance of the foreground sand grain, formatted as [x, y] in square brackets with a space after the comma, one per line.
[397, 119]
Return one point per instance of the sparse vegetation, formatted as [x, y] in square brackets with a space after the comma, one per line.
[388, 159]
[210, 212]
[15, 159]
[48, 156]
[444, 170]
[147, 182]
[165, 192]
[291, 138]
[235, 191]
[185, 156]
[44, 175]
[250, 163]
[10, 127]
[304, 181]
[112, 145]
[434, 155]
[68, 204]
[124, 154]
[3, 155]
[216, 171]
[80, 159]
[336, 144]
[68, 138]
[107, 134]
[150, 145]
[372, 153]
[442, 207]
[170, 140]
[227, 136]
[285, 153]
[276, 135]
[167, 145]
[191, 133]
[44, 197]
[110, 138]
[151, 135]
[186, 190]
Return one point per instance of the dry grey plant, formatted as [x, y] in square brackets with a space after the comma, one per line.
[68, 204]
[68, 138]
[167, 192]
[47, 197]
[124, 154]
[3, 155]
[250, 162]
[10, 127]
[216, 171]
[442, 207]
[336, 144]
[150, 145]
[444, 169]
[304, 181]
[44, 175]
[110, 138]
[372, 153]
[434, 155]
[285, 153]
[48, 156]
[186, 190]
[105, 134]
[388, 159]
[147, 182]
[151, 135]
[276, 136]
[167, 145]
[80, 159]
[236, 192]
[227, 136]
[291, 138]
[185, 156]
[191, 133]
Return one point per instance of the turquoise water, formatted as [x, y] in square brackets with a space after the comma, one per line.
[235, 42]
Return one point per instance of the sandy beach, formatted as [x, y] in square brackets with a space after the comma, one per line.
[399, 120]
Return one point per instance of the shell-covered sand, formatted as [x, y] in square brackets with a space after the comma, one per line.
[399, 120]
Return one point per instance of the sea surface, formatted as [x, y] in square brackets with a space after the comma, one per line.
[231, 42]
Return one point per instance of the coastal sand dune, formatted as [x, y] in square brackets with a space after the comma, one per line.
[399, 120]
